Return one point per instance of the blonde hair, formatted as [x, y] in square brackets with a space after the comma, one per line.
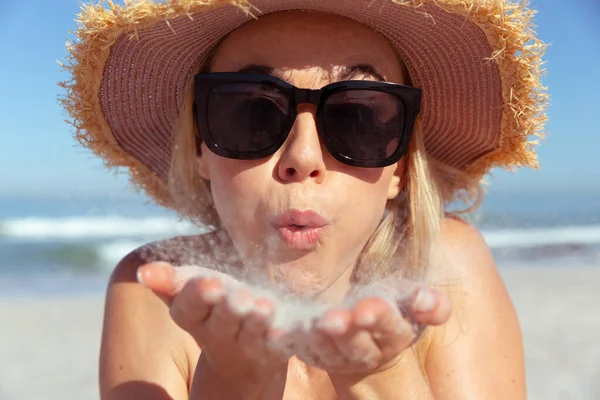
[405, 239]
[403, 245]
[189, 191]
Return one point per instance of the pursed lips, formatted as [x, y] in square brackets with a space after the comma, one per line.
[300, 230]
[307, 218]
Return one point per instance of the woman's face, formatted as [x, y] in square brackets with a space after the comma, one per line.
[300, 213]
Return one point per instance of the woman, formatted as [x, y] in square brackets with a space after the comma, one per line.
[322, 190]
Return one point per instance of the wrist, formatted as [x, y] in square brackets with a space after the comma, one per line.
[210, 383]
[391, 368]
[401, 380]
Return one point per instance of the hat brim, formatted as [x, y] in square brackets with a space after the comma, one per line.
[479, 66]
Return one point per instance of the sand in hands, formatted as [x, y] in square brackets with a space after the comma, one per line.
[294, 316]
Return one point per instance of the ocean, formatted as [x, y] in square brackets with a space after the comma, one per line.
[69, 245]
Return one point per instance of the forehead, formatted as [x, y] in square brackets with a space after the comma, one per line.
[295, 42]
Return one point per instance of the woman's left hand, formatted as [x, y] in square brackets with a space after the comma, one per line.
[372, 335]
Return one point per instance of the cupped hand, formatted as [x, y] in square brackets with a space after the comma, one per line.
[372, 335]
[229, 324]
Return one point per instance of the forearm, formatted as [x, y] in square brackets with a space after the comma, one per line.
[405, 381]
[208, 384]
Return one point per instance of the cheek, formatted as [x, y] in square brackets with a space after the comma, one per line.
[235, 207]
[229, 192]
[365, 202]
[236, 190]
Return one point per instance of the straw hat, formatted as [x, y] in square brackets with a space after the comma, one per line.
[478, 63]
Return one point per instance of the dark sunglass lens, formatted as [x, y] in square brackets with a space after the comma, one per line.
[364, 124]
[246, 117]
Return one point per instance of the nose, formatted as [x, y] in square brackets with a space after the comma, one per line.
[302, 153]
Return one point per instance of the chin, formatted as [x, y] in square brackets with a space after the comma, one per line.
[305, 277]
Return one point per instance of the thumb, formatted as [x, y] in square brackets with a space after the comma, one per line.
[159, 277]
[430, 307]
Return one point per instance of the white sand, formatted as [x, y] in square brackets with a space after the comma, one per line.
[559, 310]
[49, 347]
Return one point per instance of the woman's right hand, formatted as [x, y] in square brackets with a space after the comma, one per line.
[230, 328]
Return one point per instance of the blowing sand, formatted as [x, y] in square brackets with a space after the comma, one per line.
[49, 347]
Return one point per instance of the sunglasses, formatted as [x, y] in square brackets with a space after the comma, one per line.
[249, 116]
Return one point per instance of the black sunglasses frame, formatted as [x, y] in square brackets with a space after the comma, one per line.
[204, 83]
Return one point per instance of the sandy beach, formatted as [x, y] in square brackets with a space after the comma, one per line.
[49, 347]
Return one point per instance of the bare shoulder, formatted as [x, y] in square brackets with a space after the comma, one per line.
[184, 250]
[478, 353]
[462, 256]
[144, 354]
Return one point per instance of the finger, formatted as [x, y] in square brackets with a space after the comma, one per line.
[374, 313]
[430, 307]
[326, 350]
[297, 342]
[159, 277]
[334, 322]
[281, 344]
[252, 335]
[358, 348]
[225, 321]
[353, 343]
[390, 332]
[194, 304]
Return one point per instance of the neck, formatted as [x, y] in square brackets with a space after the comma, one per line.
[337, 291]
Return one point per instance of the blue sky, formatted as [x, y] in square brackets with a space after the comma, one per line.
[39, 157]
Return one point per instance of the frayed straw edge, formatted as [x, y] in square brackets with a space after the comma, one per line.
[99, 26]
[510, 30]
[519, 55]
[508, 26]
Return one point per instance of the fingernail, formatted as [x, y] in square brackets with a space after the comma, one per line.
[157, 271]
[213, 295]
[366, 319]
[333, 325]
[263, 309]
[424, 302]
[140, 276]
[240, 305]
